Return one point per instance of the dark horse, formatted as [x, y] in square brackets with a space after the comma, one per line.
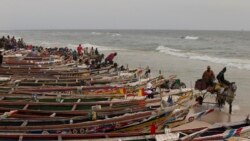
[227, 95]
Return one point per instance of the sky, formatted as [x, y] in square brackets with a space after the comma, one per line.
[125, 14]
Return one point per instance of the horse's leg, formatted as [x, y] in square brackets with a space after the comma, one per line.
[230, 107]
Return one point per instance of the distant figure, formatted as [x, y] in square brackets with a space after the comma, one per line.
[208, 76]
[96, 51]
[147, 71]
[79, 49]
[221, 79]
[86, 50]
[149, 90]
[1, 58]
[110, 57]
[121, 68]
[152, 128]
[74, 55]
[92, 51]
[100, 58]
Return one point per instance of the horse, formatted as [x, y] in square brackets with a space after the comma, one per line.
[226, 94]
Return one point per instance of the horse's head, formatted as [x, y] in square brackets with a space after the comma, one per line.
[233, 86]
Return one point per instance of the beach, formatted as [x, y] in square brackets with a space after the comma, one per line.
[184, 53]
[189, 71]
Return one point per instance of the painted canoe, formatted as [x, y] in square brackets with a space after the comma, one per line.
[68, 137]
[136, 121]
[220, 131]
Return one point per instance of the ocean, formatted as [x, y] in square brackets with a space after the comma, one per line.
[230, 48]
[185, 53]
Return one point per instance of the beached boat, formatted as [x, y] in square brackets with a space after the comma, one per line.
[138, 121]
[220, 131]
[69, 137]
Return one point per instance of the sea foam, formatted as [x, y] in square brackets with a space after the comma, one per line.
[191, 37]
[232, 62]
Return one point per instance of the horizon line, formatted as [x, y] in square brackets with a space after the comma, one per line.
[123, 29]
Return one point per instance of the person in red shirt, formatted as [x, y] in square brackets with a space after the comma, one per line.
[152, 128]
[79, 49]
[110, 57]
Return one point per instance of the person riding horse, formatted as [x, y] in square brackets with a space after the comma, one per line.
[225, 90]
[221, 79]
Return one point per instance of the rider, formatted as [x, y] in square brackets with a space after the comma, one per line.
[221, 78]
[208, 76]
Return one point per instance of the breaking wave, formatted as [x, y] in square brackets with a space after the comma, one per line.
[191, 37]
[107, 33]
[96, 33]
[233, 62]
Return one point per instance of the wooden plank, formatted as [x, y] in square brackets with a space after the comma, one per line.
[53, 115]
[62, 101]
[20, 138]
[2, 98]
[74, 106]
[24, 123]
[59, 138]
[26, 107]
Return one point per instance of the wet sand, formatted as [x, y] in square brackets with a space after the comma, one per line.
[189, 71]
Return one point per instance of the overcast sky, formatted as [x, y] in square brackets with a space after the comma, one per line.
[125, 14]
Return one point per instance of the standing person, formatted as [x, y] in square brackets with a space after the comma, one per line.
[1, 58]
[74, 55]
[110, 57]
[147, 71]
[221, 79]
[96, 51]
[79, 49]
[208, 76]
[86, 51]
[92, 51]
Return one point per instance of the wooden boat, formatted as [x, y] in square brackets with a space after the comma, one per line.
[35, 114]
[4, 80]
[68, 137]
[66, 106]
[225, 135]
[220, 131]
[128, 122]
[135, 121]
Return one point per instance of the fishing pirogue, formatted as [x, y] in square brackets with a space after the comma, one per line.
[60, 94]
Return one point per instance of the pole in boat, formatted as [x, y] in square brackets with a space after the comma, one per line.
[160, 92]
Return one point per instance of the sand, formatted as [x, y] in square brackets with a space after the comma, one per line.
[189, 71]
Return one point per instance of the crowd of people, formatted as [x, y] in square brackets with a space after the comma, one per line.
[8, 43]
[89, 56]
[92, 58]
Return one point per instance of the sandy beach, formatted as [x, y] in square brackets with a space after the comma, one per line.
[189, 71]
